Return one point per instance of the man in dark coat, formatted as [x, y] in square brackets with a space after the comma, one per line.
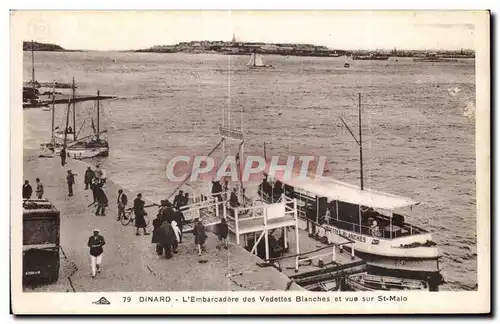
[311, 214]
[89, 176]
[179, 200]
[265, 187]
[27, 190]
[154, 238]
[277, 190]
[94, 187]
[62, 154]
[139, 212]
[166, 237]
[95, 243]
[217, 190]
[222, 231]
[168, 213]
[70, 179]
[102, 201]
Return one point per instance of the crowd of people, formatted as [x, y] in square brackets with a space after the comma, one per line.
[168, 225]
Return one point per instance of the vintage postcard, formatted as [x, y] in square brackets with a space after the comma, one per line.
[256, 162]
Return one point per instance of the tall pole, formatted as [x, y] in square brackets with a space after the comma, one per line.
[74, 110]
[33, 64]
[360, 142]
[53, 107]
[98, 115]
[67, 122]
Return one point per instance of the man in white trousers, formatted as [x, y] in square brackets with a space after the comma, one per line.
[95, 243]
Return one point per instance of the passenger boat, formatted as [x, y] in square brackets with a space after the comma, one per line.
[368, 282]
[255, 62]
[399, 245]
[373, 219]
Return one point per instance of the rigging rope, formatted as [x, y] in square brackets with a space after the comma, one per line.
[189, 175]
[83, 124]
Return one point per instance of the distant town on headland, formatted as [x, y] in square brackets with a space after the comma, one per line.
[286, 49]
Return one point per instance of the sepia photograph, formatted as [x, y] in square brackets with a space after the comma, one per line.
[233, 158]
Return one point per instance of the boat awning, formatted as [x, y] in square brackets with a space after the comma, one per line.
[341, 191]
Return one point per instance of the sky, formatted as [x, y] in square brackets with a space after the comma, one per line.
[122, 30]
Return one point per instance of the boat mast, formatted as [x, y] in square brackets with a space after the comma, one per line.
[74, 111]
[98, 115]
[67, 122]
[53, 107]
[33, 65]
[360, 142]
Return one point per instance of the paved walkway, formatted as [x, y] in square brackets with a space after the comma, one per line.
[130, 262]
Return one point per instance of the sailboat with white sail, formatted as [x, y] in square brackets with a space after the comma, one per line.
[256, 62]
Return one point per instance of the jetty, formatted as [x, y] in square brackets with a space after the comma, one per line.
[46, 100]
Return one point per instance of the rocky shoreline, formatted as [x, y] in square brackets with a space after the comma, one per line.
[45, 47]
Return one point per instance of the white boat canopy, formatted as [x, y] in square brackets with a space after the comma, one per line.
[345, 192]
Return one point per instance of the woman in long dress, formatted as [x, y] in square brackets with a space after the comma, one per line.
[140, 221]
[199, 235]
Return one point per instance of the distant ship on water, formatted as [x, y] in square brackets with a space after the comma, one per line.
[434, 58]
[377, 57]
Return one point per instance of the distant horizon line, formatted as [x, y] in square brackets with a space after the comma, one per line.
[298, 43]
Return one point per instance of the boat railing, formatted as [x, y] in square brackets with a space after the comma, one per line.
[256, 211]
[389, 232]
[203, 208]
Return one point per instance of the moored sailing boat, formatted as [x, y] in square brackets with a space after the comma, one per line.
[69, 132]
[31, 92]
[92, 146]
[255, 62]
